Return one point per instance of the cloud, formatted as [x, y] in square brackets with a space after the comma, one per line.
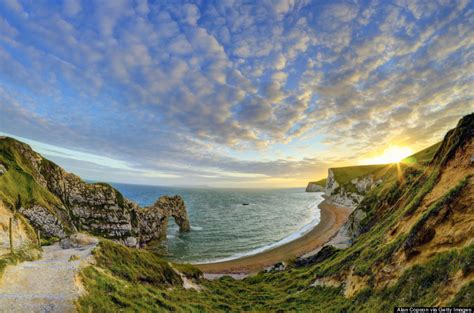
[148, 82]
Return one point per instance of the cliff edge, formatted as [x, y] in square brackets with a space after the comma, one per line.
[58, 203]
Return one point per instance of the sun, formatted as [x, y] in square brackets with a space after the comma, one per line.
[392, 154]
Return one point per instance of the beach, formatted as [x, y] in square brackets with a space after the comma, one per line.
[332, 218]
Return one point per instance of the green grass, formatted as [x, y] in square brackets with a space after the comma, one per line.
[387, 172]
[18, 180]
[424, 156]
[321, 182]
[189, 271]
[344, 175]
[464, 297]
[130, 280]
[284, 291]
[138, 266]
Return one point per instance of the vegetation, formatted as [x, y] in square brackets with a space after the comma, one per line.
[27, 253]
[291, 290]
[122, 281]
[344, 175]
[387, 172]
[321, 182]
[424, 156]
[18, 183]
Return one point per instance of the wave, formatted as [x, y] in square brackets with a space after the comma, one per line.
[196, 228]
[315, 219]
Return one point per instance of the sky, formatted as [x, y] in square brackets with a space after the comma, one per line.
[231, 93]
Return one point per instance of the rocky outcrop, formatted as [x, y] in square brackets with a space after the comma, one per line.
[3, 169]
[352, 193]
[323, 254]
[69, 204]
[278, 267]
[313, 187]
[153, 220]
[78, 241]
[41, 218]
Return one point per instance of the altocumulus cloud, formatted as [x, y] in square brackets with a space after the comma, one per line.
[207, 91]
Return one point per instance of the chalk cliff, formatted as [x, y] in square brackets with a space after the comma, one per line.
[346, 186]
[313, 187]
[59, 203]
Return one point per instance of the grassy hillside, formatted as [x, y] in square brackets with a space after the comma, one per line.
[18, 185]
[424, 156]
[387, 172]
[321, 182]
[416, 248]
[344, 175]
[292, 290]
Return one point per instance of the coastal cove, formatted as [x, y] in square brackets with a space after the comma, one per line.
[232, 224]
[332, 219]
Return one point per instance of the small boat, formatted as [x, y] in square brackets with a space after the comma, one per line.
[245, 203]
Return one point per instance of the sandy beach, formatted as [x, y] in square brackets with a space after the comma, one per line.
[332, 218]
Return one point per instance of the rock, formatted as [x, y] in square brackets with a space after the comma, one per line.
[348, 196]
[98, 208]
[362, 184]
[3, 169]
[331, 183]
[44, 220]
[312, 187]
[323, 254]
[277, 267]
[78, 240]
[153, 220]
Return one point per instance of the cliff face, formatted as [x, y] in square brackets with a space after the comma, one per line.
[350, 193]
[313, 187]
[413, 245]
[59, 203]
[412, 228]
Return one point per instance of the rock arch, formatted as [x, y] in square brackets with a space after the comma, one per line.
[153, 220]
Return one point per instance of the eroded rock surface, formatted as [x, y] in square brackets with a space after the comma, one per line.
[3, 169]
[41, 218]
[351, 194]
[70, 205]
[312, 187]
[153, 220]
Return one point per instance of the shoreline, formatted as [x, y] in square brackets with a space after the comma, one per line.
[332, 217]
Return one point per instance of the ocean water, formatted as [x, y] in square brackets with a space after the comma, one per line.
[222, 228]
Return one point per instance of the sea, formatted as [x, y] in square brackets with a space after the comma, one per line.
[228, 224]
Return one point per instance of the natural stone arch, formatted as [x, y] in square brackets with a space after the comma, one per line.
[153, 220]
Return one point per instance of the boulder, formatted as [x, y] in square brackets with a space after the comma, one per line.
[78, 240]
[3, 169]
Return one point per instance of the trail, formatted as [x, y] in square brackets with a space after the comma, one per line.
[46, 285]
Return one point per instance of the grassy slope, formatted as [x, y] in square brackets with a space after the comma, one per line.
[321, 182]
[421, 285]
[344, 175]
[423, 156]
[388, 172]
[420, 282]
[18, 180]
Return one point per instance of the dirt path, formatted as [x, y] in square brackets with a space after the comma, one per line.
[45, 285]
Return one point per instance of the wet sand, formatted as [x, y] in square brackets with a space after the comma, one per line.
[332, 218]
